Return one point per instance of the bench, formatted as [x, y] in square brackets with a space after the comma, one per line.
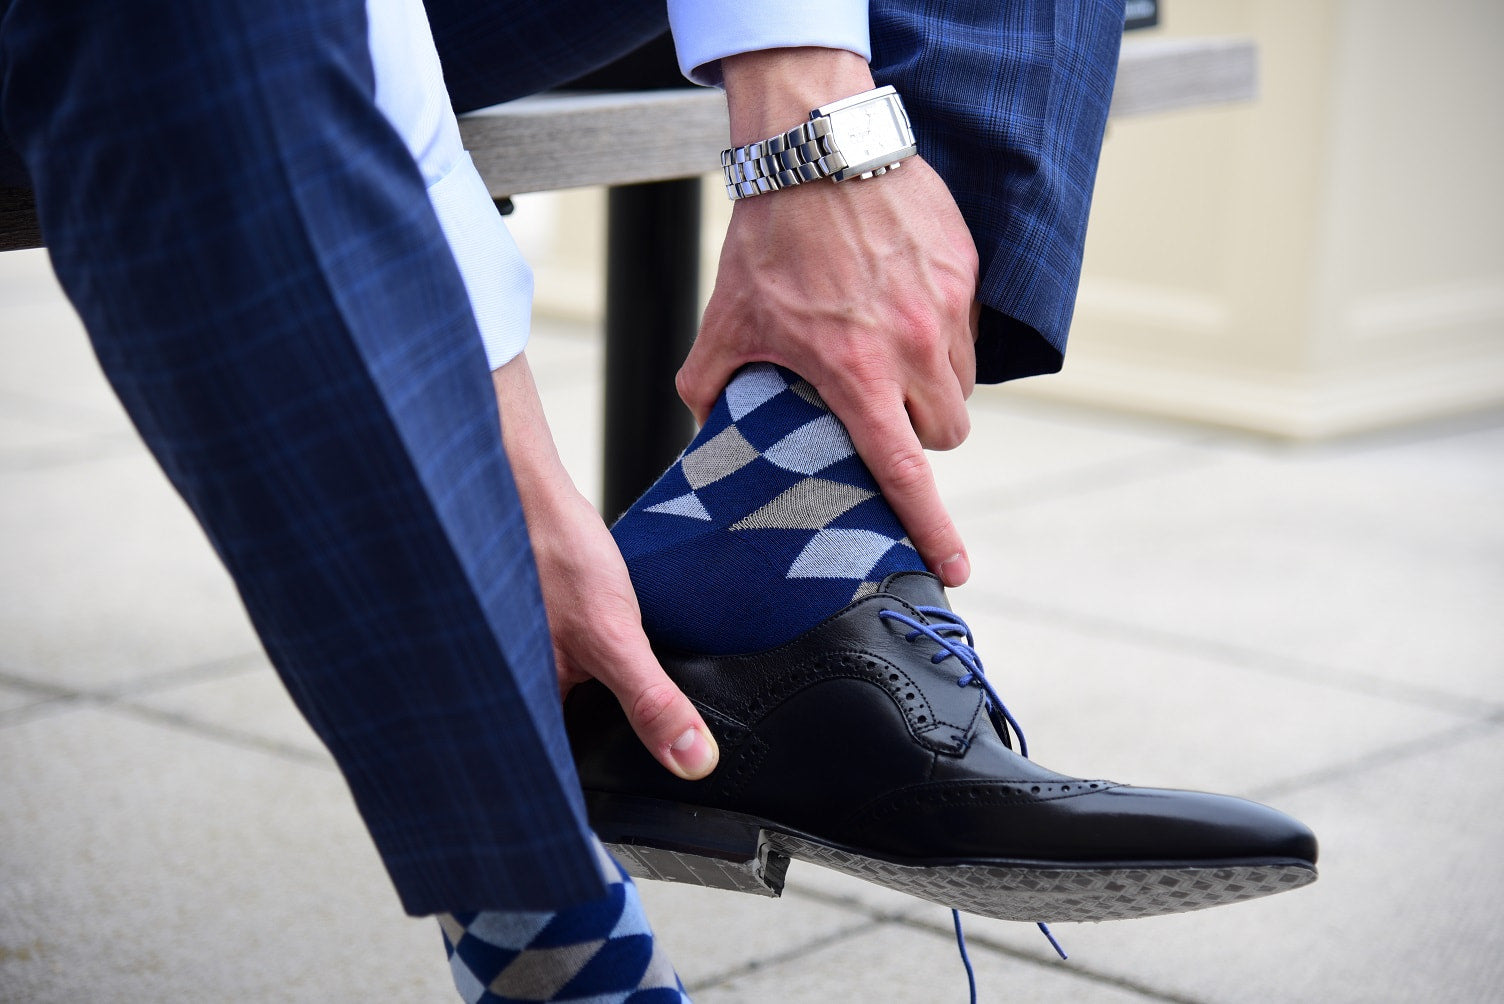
[570, 140]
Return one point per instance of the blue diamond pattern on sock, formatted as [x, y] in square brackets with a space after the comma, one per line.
[598, 951]
[767, 524]
[755, 385]
[841, 554]
[685, 505]
[570, 927]
[812, 447]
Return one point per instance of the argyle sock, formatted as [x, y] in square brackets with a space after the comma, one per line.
[601, 951]
[766, 525]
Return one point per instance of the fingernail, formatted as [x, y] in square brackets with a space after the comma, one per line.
[694, 753]
[955, 570]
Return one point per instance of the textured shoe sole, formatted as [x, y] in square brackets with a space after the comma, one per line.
[726, 851]
[1049, 895]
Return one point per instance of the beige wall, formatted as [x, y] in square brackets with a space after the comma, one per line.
[1325, 259]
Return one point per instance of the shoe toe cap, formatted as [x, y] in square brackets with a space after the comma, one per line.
[1085, 823]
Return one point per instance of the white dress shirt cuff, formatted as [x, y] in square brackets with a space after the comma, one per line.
[707, 31]
[499, 282]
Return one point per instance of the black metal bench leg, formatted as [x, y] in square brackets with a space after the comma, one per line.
[652, 314]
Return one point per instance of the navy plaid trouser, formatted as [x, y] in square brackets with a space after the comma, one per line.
[253, 253]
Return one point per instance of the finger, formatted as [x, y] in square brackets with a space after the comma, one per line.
[660, 714]
[882, 435]
[702, 378]
[963, 358]
[939, 415]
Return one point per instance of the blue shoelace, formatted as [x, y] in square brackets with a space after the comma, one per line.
[954, 637]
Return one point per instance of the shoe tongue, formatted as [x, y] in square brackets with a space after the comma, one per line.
[918, 589]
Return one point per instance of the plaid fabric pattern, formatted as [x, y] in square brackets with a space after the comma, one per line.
[766, 525]
[253, 253]
[251, 250]
[602, 951]
[1009, 102]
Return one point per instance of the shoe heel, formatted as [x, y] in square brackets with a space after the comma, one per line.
[672, 842]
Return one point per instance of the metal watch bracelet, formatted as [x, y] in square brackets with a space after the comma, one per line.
[873, 123]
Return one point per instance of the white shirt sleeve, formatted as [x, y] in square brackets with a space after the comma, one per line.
[707, 31]
[410, 92]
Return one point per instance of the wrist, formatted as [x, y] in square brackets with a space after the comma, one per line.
[773, 90]
[544, 487]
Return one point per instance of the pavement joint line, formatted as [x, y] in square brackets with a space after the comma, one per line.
[917, 919]
[18, 681]
[198, 672]
[851, 903]
[53, 695]
[1267, 663]
[1070, 967]
[1099, 476]
[207, 671]
[222, 734]
[778, 958]
[40, 708]
[1434, 743]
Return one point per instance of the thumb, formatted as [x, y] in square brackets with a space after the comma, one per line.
[663, 718]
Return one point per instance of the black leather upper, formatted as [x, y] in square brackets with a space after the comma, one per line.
[852, 734]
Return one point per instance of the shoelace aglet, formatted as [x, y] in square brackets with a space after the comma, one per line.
[1045, 930]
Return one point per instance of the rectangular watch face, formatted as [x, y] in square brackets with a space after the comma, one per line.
[870, 135]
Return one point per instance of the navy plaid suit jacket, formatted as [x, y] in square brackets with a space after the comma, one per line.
[252, 251]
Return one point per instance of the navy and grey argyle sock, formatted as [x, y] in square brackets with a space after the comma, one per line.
[603, 952]
[766, 525]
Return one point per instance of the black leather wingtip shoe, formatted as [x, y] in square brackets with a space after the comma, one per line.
[873, 745]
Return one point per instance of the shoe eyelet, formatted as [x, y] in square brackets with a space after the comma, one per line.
[893, 677]
[922, 719]
[1035, 789]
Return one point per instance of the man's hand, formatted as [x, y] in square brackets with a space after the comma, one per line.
[593, 615]
[866, 289]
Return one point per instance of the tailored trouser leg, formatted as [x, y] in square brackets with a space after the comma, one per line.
[252, 251]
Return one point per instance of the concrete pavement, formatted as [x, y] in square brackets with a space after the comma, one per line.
[1319, 627]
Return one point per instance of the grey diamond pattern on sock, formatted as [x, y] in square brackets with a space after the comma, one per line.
[809, 505]
[538, 974]
[818, 448]
[532, 972]
[723, 454]
[806, 390]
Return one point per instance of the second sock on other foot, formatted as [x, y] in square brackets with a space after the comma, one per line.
[766, 525]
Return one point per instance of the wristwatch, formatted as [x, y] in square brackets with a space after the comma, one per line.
[857, 137]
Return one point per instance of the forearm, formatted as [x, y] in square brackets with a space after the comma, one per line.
[772, 91]
[543, 484]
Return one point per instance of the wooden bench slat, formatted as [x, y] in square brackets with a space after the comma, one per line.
[555, 141]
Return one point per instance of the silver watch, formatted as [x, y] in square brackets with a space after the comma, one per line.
[857, 137]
